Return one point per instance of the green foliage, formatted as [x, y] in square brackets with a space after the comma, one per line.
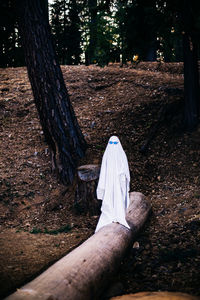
[36, 230]
[138, 27]
[63, 229]
[105, 39]
[100, 31]
[65, 24]
[196, 195]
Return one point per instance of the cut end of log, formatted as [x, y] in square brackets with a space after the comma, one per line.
[88, 172]
[157, 296]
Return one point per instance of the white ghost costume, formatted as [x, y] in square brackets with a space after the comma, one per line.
[114, 184]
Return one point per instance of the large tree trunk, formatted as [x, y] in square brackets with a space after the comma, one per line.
[57, 117]
[191, 83]
[191, 73]
[83, 273]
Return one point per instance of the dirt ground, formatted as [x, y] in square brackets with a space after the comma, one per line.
[38, 221]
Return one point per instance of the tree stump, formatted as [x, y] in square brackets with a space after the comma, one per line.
[85, 196]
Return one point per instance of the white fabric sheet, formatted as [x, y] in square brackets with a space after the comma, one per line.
[114, 184]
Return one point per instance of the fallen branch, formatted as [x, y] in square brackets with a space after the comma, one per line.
[85, 272]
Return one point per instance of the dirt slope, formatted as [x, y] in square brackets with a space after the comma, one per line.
[38, 221]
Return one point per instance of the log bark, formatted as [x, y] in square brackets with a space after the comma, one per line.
[85, 196]
[157, 296]
[83, 273]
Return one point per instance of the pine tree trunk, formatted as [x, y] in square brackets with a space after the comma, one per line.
[191, 73]
[59, 123]
[93, 30]
[191, 83]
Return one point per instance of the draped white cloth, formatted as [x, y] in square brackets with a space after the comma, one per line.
[114, 184]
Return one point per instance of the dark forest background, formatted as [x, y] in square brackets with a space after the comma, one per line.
[99, 32]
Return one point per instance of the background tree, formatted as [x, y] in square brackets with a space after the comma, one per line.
[191, 37]
[184, 18]
[65, 24]
[138, 26]
[92, 25]
[57, 27]
[105, 43]
[99, 32]
[57, 117]
[11, 53]
[73, 33]
[120, 19]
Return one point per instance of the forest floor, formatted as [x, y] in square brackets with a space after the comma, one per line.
[38, 222]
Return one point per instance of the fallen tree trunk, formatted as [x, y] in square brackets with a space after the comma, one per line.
[157, 296]
[83, 273]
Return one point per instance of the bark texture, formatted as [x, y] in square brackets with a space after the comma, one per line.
[85, 196]
[85, 272]
[191, 72]
[57, 117]
[191, 82]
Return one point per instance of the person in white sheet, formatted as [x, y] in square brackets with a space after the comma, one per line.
[114, 185]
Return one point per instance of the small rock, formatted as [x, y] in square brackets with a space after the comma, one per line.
[136, 245]
[179, 265]
[93, 124]
[182, 209]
